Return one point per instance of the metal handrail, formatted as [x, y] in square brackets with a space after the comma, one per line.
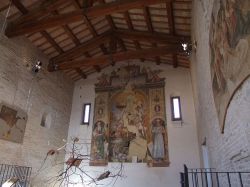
[21, 173]
[198, 177]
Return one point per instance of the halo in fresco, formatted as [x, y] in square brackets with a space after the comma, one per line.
[229, 51]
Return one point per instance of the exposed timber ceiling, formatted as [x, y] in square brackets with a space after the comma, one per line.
[84, 36]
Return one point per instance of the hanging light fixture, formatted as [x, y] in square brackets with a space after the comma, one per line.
[37, 67]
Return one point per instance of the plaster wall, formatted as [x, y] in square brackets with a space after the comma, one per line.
[182, 138]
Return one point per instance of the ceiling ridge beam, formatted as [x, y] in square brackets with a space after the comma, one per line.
[74, 16]
[120, 56]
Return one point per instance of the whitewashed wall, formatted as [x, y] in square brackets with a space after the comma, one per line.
[183, 146]
[44, 92]
[229, 151]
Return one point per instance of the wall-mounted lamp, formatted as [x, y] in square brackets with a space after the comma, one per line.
[189, 47]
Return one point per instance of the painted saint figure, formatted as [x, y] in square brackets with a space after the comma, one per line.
[99, 139]
[158, 130]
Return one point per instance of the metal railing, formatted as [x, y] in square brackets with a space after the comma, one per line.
[209, 177]
[21, 173]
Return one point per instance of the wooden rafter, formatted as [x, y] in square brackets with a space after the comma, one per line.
[131, 28]
[170, 17]
[148, 19]
[151, 29]
[41, 9]
[171, 24]
[86, 4]
[82, 48]
[121, 43]
[120, 56]
[51, 41]
[81, 73]
[109, 18]
[46, 35]
[20, 6]
[74, 16]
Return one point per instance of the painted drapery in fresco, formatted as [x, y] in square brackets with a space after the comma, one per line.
[129, 119]
[230, 51]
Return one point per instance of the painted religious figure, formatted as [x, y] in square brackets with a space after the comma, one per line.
[158, 131]
[230, 51]
[99, 141]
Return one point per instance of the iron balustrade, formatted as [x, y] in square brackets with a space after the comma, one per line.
[21, 173]
[209, 177]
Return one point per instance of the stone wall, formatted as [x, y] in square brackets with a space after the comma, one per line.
[229, 151]
[44, 92]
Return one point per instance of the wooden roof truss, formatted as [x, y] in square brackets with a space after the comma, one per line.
[84, 36]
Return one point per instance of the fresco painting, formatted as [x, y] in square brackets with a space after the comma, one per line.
[229, 51]
[129, 120]
[12, 123]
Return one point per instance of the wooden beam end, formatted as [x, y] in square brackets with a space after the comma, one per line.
[51, 67]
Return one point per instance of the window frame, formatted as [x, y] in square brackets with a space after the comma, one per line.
[84, 113]
[172, 108]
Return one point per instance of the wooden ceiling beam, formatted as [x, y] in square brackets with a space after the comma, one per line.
[120, 56]
[82, 48]
[40, 9]
[150, 37]
[51, 41]
[175, 61]
[20, 6]
[35, 25]
[88, 23]
[170, 14]
[69, 31]
[131, 28]
[113, 45]
[81, 73]
[121, 43]
[171, 24]
[71, 35]
[97, 68]
[108, 17]
[46, 35]
[147, 17]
